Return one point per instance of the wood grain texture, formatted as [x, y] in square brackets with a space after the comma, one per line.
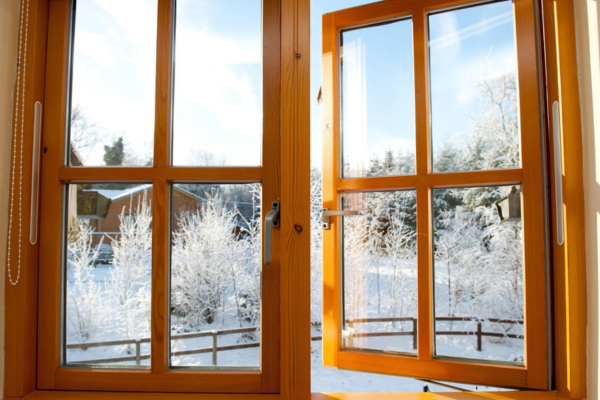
[163, 113]
[521, 395]
[75, 395]
[171, 174]
[422, 102]
[445, 180]
[389, 10]
[161, 193]
[425, 296]
[21, 299]
[446, 370]
[295, 200]
[331, 173]
[533, 192]
[161, 234]
[51, 213]
[271, 185]
[570, 303]
[169, 381]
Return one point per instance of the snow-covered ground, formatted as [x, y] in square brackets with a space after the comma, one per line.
[380, 281]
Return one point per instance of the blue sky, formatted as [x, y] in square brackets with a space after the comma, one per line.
[467, 46]
[218, 76]
[218, 86]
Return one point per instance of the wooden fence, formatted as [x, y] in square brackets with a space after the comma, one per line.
[349, 337]
[478, 331]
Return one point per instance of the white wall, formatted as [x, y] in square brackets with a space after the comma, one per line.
[587, 16]
[8, 24]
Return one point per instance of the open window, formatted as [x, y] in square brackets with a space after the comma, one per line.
[37, 361]
[431, 123]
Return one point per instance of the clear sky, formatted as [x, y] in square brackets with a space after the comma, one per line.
[218, 86]
[218, 77]
[467, 46]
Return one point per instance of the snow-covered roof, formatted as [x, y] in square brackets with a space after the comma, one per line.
[114, 195]
[119, 194]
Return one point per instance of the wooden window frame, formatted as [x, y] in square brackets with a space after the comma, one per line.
[52, 374]
[569, 297]
[534, 374]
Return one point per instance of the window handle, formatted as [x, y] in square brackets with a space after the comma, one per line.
[558, 192]
[35, 172]
[326, 213]
[271, 221]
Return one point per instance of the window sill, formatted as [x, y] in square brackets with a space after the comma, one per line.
[520, 395]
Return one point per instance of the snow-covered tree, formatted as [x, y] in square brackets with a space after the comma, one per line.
[316, 248]
[358, 258]
[247, 272]
[85, 310]
[131, 274]
[206, 260]
[399, 250]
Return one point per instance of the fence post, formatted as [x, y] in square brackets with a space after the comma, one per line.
[479, 336]
[214, 347]
[414, 323]
[350, 333]
[138, 351]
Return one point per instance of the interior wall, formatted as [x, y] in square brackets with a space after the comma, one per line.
[8, 35]
[587, 16]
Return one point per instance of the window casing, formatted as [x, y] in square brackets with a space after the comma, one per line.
[534, 374]
[569, 276]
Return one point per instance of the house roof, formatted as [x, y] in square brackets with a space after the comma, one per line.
[115, 195]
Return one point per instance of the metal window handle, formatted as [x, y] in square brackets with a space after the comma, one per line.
[271, 221]
[326, 214]
[558, 193]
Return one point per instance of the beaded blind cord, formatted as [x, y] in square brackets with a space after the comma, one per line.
[18, 134]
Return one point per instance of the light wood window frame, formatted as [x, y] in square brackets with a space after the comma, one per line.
[52, 374]
[569, 298]
[534, 374]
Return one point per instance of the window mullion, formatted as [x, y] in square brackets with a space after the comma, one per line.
[160, 193]
[424, 265]
[165, 44]
[160, 267]
[421, 91]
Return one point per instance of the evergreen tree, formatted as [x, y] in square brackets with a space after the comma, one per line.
[114, 155]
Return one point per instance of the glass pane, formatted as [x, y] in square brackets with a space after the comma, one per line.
[215, 276]
[478, 272]
[112, 92]
[109, 274]
[218, 83]
[377, 104]
[474, 94]
[380, 272]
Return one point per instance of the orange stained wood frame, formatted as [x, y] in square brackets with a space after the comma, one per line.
[159, 378]
[569, 259]
[535, 372]
[21, 301]
[506, 395]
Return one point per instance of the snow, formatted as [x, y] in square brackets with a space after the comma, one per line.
[216, 285]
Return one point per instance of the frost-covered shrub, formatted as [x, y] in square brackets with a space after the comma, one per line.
[216, 265]
[85, 309]
[131, 273]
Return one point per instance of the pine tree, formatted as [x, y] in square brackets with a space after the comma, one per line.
[114, 154]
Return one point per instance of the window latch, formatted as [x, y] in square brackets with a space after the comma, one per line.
[326, 213]
[271, 221]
